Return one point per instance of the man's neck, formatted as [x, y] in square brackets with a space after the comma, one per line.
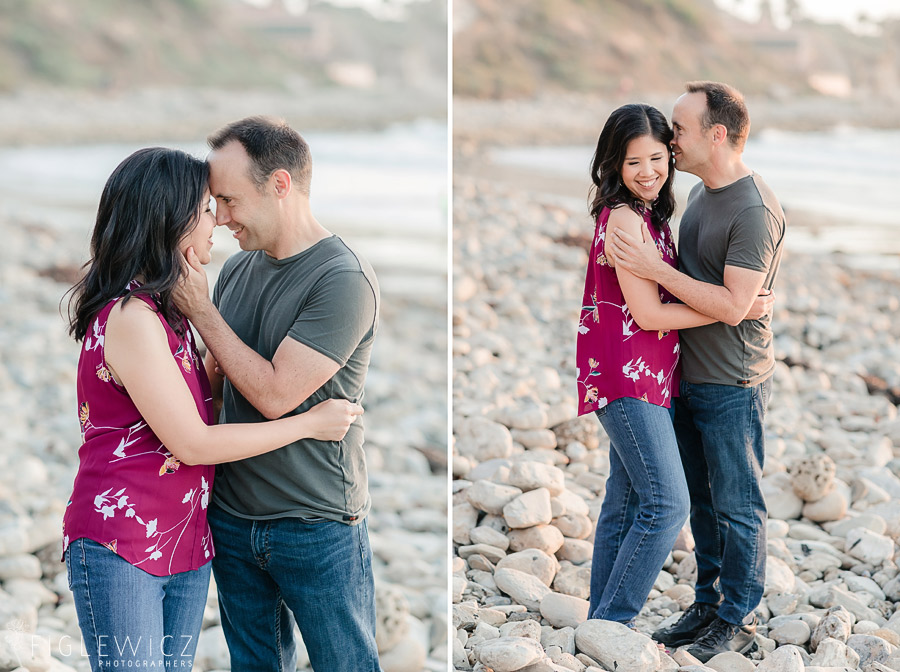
[298, 233]
[725, 173]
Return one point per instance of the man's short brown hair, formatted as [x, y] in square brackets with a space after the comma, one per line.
[724, 105]
[271, 145]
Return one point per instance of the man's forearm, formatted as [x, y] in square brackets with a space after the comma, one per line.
[713, 300]
[251, 373]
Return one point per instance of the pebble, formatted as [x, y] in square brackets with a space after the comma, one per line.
[23, 566]
[576, 551]
[529, 509]
[489, 536]
[532, 561]
[870, 521]
[832, 506]
[870, 648]
[527, 475]
[525, 589]
[573, 580]
[563, 637]
[869, 546]
[491, 497]
[812, 477]
[779, 576]
[617, 647]
[524, 628]
[546, 538]
[837, 624]
[730, 662]
[574, 525]
[564, 610]
[482, 439]
[508, 654]
[794, 632]
[783, 659]
[833, 653]
[407, 654]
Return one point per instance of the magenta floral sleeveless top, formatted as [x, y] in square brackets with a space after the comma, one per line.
[615, 357]
[131, 494]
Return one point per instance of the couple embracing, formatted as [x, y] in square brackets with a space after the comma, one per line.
[280, 519]
[675, 356]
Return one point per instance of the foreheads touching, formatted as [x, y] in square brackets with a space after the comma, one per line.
[724, 106]
[270, 145]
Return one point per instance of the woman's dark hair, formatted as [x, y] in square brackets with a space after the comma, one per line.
[624, 125]
[150, 202]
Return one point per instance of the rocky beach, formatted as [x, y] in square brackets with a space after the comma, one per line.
[529, 476]
[406, 430]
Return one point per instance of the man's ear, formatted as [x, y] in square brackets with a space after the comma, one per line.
[720, 134]
[281, 182]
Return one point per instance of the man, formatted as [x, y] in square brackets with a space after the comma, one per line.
[730, 241]
[296, 319]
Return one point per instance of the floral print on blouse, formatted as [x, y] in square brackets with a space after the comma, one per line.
[131, 494]
[614, 356]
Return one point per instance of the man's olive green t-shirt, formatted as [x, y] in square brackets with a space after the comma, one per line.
[326, 298]
[739, 225]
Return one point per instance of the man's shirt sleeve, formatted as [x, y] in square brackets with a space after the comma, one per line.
[754, 240]
[338, 315]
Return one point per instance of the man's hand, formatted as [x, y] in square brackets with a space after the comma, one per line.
[191, 294]
[762, 305]
[641, 257]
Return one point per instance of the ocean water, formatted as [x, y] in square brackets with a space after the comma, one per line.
[384, 192]
[848, 177]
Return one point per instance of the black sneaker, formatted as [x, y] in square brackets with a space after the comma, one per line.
[695, 619]
[722, 636]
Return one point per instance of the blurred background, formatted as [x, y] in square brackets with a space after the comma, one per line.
[533, 84]
[821, 79]
[82, 85]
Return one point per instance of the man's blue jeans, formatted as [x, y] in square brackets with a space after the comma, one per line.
[319, 571]
[720, 430]
[131, 619]
[645, 506]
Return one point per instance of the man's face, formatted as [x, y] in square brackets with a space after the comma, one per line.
[247, 212]
[692, 145]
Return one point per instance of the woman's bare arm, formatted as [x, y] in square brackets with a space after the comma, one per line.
[137, 351]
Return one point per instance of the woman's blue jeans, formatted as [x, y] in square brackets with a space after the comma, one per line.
[645, 506]
[130, 619]
[317, 571]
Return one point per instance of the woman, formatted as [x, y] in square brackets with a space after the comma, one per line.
[136, 542]
[627, 358]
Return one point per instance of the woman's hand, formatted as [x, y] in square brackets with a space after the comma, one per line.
[331, 419]
[762, 305]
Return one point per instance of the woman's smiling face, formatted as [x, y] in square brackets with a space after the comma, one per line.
[646, 167]
[200, 237]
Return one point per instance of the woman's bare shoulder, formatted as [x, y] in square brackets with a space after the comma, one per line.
[625, 218]
[132, 316]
